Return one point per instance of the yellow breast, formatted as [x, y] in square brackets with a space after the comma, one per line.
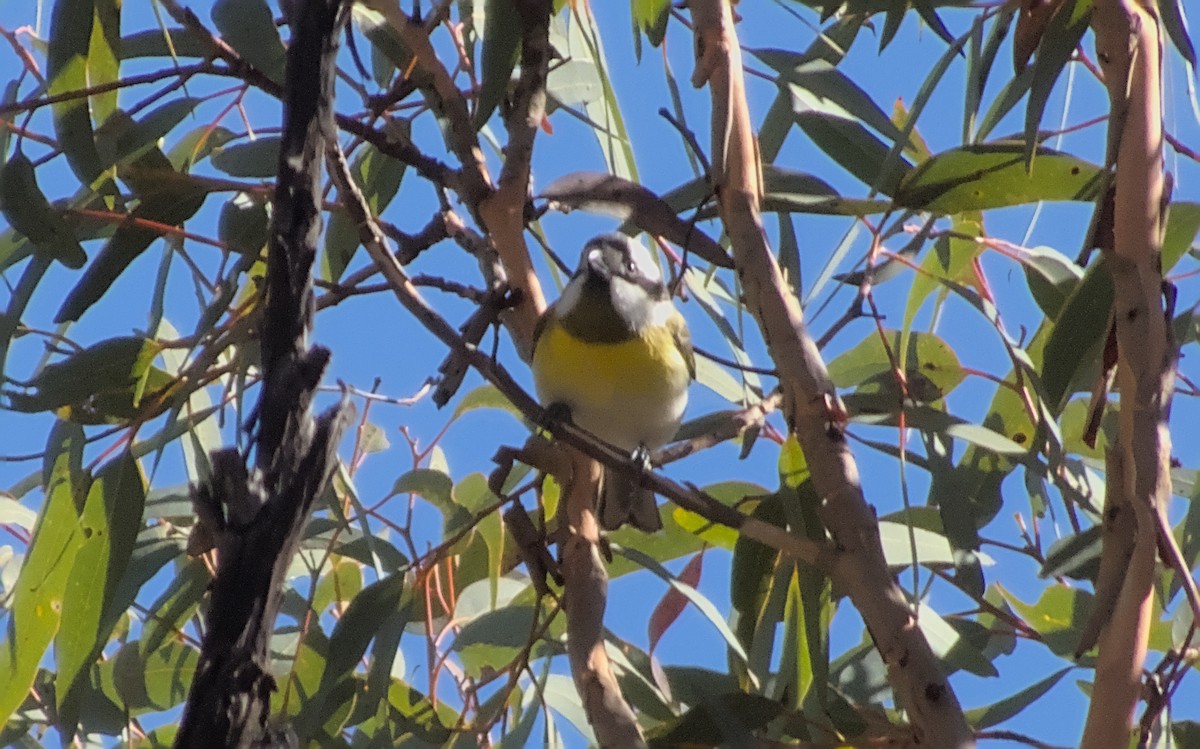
[627, 393]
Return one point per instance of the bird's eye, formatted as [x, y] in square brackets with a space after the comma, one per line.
[630, 266]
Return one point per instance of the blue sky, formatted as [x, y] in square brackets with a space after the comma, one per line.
[372, 338]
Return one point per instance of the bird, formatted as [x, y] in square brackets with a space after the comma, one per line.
[616, 353]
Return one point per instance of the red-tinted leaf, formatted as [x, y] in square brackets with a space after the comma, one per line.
[673, 602]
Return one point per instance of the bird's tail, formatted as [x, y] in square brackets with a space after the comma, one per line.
[623, 500]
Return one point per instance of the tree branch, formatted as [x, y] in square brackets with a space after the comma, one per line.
[811, 405]
[1129, 49]
[258, 515]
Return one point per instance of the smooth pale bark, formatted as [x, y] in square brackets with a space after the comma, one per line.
[1129, 48]
[811, 404]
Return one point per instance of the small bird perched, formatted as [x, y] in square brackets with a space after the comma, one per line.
[614, 351]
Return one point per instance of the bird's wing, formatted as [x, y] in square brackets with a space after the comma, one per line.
[540, 328]
[683, 341]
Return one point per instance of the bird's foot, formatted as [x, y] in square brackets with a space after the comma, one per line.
[641, 456]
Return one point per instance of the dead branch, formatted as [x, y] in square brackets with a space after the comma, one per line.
[257, 515]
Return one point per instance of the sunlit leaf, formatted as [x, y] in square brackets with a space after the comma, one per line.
[951, 647]
[108, 379]
[37, 602]
[994, 175]
[104, 56]
[1058, 616]
[66, 72]
[932, 369]
[108, 529]
[650, 17]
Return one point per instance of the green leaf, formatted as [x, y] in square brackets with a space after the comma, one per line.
[933, 550]
[143, 681]
[367, 550]
[583, 43]
[1078, 330]
[998, 712]
[434, 486]
[125, 141]
[1058, 616]
[995, 175]
[340, 581]
[952, 647]
[1186, 733]
[853, 147]
[197, 145]
[11, 89]
[242, 225]
[66, 72]
[988, 439]
[37, 600]
[817, 85]
[931, 367]
[727, 720]
[752, 572]
[492, 640]
[156, 546]
[728, 493]
[108, 529]
[359, 623]
[347, 644]
[28, 212]
[256, 159]
[1171, 13]
[386, 659]
[650, 17]
[485, 396]
[172, 42]
[174, 203]
[249, 27]
[787, 190]
[107, 379]
[705, 606]
[1051, 277]
[1061, 38]
[388, 51]
[979, 69]
[414, 713]
[1076, 556]
[175, 605]
[501, 45]
[104, 56]
[378, 176]
[1183, 221]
